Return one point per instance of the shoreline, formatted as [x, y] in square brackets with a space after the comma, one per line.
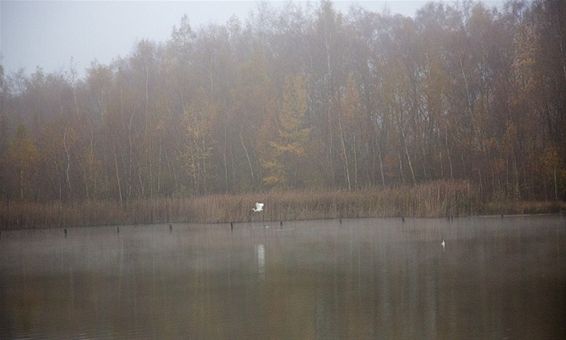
[439, 199]
[165, 224]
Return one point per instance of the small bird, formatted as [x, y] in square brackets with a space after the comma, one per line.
[65, 230]
[403, 219]
[170, 227]
[443, 244]
[231, 226]
[258, 207]
[281, 223]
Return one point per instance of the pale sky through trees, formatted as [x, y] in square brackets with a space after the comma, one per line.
[288, 98]
[48, 34]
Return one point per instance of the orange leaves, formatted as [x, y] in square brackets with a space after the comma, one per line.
[287, 145]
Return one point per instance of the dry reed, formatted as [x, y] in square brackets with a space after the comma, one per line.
[434, 199]
[523, 207]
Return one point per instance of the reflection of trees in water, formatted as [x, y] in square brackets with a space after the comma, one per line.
[364, 279]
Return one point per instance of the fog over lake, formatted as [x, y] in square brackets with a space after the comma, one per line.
[388, 169]
[362, 279]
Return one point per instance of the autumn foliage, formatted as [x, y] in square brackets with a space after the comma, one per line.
[300, 99]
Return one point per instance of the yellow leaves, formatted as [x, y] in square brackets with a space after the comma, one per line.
[498, 167]
[292, 112]
[549, 159]
[23, 157]
[291, 149]
[294, 104]
[352, 109]
[276, 174]
[434, 87]
[523, 64]
[287, 147]
[509, 138]
[198, 120]
[22, 152]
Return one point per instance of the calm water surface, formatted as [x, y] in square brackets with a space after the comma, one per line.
[363, 279]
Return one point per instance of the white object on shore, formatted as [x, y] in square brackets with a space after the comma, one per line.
[258, 207]
[443, 244]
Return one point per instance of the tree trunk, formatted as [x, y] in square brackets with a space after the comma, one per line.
[247, 157]
[130, 154]
[345, 154]
[68, 162]
[21, 180]
[555, 185]
[381, 168]
[118, 177]
[408, 157]
[224, 159]
[355, 164]
[159, 167]
[448, 155]
[380, 156]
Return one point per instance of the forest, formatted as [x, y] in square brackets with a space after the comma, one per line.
[302, 97]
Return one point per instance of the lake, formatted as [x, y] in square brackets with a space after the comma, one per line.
[496, 278]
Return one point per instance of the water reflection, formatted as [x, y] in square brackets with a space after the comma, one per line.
[260, 253]
[363, 279]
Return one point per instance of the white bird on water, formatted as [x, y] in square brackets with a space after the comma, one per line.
[443, 244]
[258, 207]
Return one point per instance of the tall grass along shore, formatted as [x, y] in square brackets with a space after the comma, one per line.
[435, 199]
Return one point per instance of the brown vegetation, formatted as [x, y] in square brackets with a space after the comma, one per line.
[442, 198]
[303, 99]
[523, 207]
[392, 115]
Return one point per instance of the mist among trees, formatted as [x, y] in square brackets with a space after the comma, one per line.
[302, 98]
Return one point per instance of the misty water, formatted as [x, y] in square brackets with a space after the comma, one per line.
[362, 279]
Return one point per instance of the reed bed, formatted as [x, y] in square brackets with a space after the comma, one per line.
[434, 199]
[523, 207]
